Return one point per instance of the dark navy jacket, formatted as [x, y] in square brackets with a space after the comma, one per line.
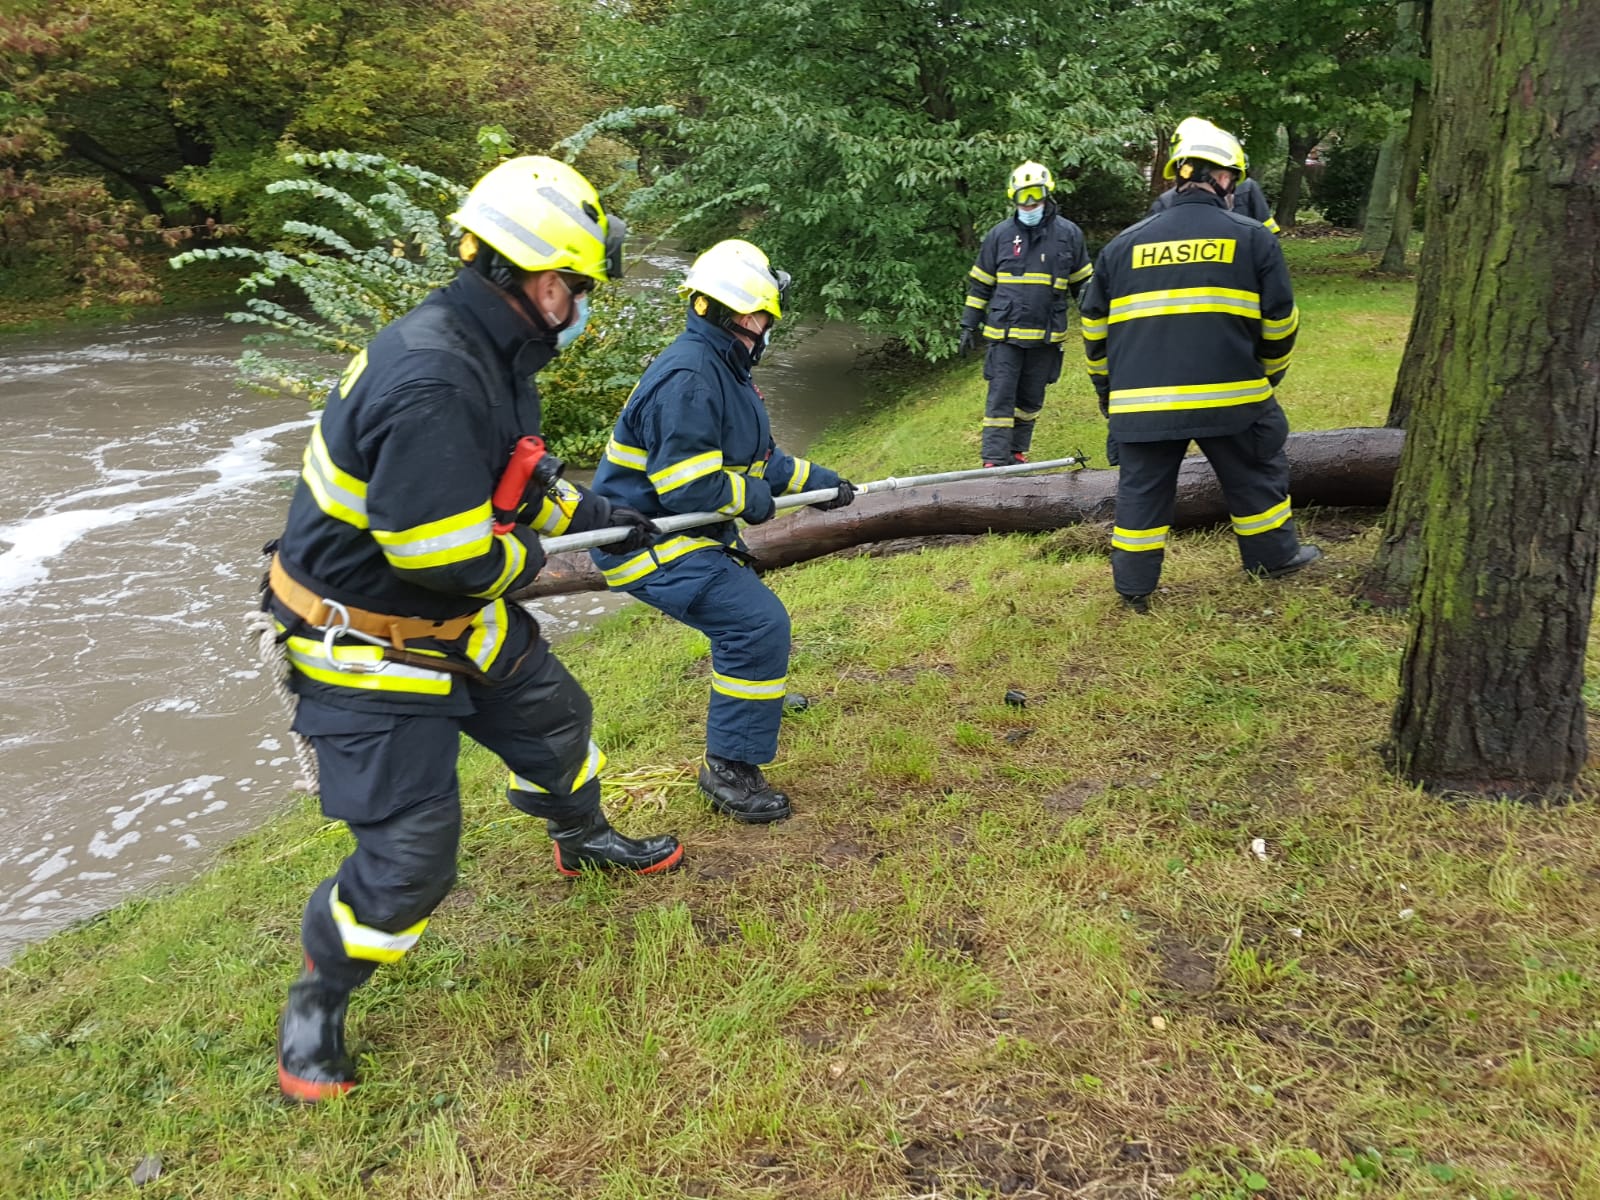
[694, 437]
[1189, 323]
[1017, 290]
[392, 512]
[1248, 199]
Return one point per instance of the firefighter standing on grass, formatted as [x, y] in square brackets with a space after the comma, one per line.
[1017, 307]
[1189, 324]
[388, 587]
[1247, 198]
[694, 437]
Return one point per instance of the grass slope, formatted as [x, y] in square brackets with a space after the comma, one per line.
[1024, 951]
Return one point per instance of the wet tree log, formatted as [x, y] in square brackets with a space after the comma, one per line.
[1335, 468]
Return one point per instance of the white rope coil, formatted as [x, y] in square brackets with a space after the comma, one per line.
[274, 658]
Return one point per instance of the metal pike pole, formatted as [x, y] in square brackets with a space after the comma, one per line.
[602, 537]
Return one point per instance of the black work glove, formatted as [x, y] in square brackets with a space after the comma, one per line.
[847, 495]
[643, 533]
[969, 341]
[758, 502]
[1105, 405]
[536, 554]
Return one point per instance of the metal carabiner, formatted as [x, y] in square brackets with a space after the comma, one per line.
[331, 631]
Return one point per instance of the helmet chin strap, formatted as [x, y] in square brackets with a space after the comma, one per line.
[494, 267]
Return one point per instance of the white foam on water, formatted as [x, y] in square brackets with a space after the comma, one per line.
[36, 541]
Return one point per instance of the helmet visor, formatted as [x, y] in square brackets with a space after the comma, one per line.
[1032, 194]
[616, 234]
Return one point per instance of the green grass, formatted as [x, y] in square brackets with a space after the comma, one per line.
[999, 950]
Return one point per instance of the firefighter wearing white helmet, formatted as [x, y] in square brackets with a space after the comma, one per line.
[1246, 197]
[419, 509]
[1017, 307]
[695, 437]
[1189, 325]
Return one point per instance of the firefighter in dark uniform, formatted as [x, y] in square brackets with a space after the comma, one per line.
[1188, 325]
[388, 589]
[694, 437]
[1017, 307]
[1247, 197]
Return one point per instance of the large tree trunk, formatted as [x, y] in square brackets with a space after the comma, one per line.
[1381, 195]
[1301, 143]
[1504, 441]
[1331, 468]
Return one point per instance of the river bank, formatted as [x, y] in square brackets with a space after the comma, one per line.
[1167, 928]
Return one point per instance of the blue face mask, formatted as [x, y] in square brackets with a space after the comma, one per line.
[570, 334]
[1031, 217]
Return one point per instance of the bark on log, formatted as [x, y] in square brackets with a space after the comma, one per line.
[1334, 468]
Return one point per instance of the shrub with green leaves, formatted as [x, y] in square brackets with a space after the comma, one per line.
[370, 259]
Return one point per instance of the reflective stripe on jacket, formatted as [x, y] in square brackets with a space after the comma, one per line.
[1017, 290]
[694, 437]
[1189, 322]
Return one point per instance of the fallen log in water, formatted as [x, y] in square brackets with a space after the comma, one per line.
[1334, 468]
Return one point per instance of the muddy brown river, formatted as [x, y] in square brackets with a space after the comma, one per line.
[137, 732]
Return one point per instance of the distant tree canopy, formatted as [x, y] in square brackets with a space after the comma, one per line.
[863, 143]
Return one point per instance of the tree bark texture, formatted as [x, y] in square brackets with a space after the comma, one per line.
[1331, 468]
[1381, 195]
[1504, 442]
[1394, 254]
[1301, 143]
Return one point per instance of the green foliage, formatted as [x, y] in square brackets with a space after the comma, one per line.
[1340, 191]
[377, 256]
[865, 145]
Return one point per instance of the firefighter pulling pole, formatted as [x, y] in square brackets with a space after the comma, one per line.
[672, 524]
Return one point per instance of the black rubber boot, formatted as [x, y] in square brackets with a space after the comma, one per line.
[313, 1064]
[741, 791]
[794, 703]
[1302, 557]
[1138, 604]
[589, 841]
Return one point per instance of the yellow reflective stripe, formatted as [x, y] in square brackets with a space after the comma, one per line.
[1028, 415]
[450, 539]
[1204, 395]
[516, 555]
[1097, 366]
[1139, 539]
[1026, 334]
[626, 456]
[338, 493]
[365, 942]
[1028, 277]
[593, 764]
[1082, 272]
[305, 655]
[1262, 522]
[1059, 335]
[488, 634]
[633, 569]
[1282, 327]
[998, 422]
[1094, 328]
[679, 473]
[981, 276]
[749, 689]
[759, 470]
[1273, 365]
[797, 481]
[1272, 225]
[977, 302]
[989, 331]
[1181, 301]
[734, 506]
[556, 508]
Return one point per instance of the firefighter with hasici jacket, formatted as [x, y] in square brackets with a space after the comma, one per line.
[1247, 197]
[1188, 325]
[694, 437]
[418, 510]
[1017, 307]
